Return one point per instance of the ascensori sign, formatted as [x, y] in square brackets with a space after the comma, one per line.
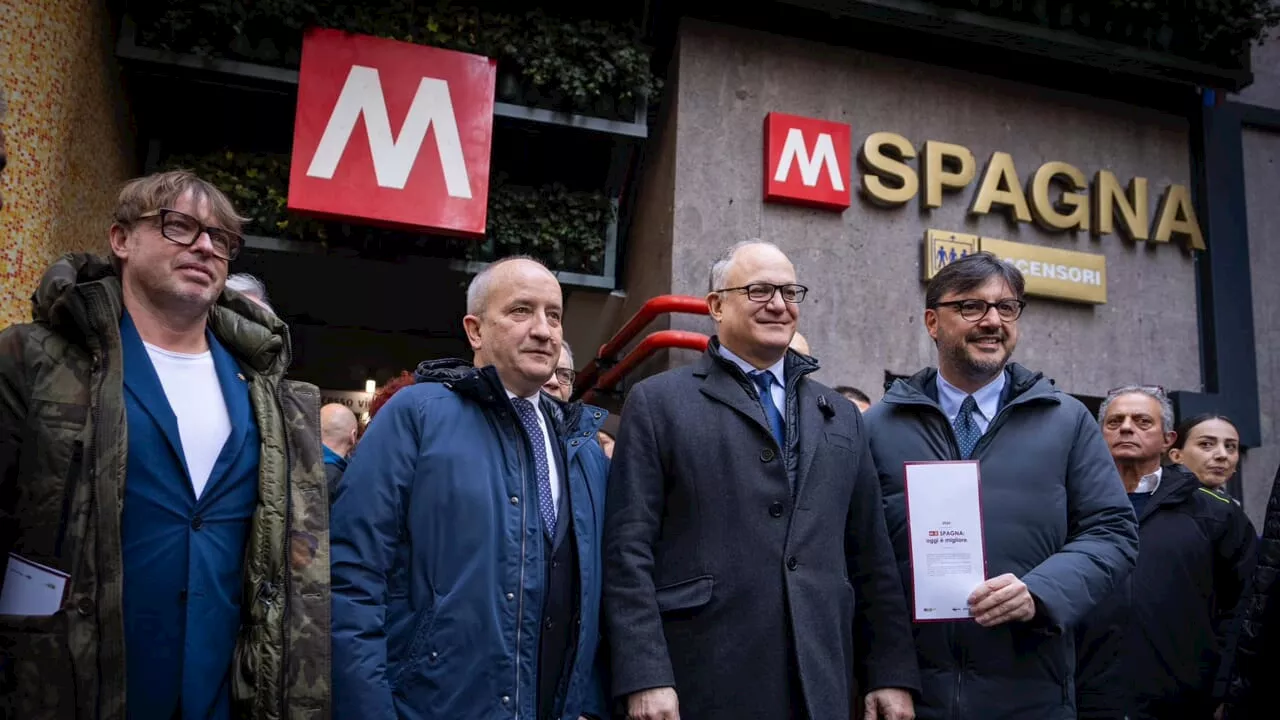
[1049, 272]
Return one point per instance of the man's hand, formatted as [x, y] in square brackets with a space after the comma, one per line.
[1000, 600]
[655, 704]
[889, 704]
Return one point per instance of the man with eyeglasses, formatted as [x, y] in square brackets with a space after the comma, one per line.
[748, 573]
[1160, 646]
[560, 384]
[154, 461]
[1059, 531]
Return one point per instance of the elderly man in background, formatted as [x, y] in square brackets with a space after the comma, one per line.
[252, 288]
[1160, 646]
[338, 429]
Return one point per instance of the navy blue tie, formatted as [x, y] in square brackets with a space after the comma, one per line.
[764, 382]
[542, 464]
[967, 431]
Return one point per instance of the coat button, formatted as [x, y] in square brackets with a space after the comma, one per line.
[766, 455]
[434, 655]
[84, 606]
[548, 624]
[511, 596]
[506, 699]
[197, 522]
[515, 500]
[776, 509]
[792, 563]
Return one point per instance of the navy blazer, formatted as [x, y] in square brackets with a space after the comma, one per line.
[183, 556]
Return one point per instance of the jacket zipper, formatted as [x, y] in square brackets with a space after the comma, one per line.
[288, 580]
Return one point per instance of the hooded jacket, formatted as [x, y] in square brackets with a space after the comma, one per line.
[1054, 514]
[63, 451]
[438, 566]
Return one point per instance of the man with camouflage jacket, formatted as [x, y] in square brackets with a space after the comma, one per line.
[150, 450]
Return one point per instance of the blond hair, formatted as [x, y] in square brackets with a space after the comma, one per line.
[161, 190]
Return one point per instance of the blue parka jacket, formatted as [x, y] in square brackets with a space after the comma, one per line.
[438, 567]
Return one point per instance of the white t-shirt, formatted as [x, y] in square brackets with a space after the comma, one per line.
[191, 385]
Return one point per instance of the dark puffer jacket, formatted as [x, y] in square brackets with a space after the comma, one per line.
[1055, 515]
[1154, 648]
[1255, 693]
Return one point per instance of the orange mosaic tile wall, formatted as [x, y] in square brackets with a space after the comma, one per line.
[69, 138]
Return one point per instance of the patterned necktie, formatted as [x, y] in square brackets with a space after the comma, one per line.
[529, 419]
[764, 382]
[967, 432]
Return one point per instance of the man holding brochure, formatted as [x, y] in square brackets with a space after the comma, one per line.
[1004, 506]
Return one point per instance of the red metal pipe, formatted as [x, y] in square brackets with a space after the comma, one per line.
[661, 340]
[646, 314]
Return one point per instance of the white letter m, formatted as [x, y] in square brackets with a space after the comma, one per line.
[393, 158]
[824, 154]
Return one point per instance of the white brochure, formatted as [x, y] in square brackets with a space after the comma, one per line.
[31, 588]
[944, 519]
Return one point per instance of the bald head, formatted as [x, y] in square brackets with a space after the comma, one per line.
[338, 428]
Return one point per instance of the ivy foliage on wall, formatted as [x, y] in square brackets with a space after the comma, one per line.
[563, 228]
[587, 66]
[1209, 31]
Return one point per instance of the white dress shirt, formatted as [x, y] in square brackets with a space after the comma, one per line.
[1149, 483]
[554, 472]
[778, 391]
[987, 397]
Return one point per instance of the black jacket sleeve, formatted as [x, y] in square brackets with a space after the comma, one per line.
[633, 521]
[1234, 560]
[885, 655]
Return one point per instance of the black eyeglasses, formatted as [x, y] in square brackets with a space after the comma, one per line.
[566, 376]
[181, 228]
[764, 292]
[975, 310]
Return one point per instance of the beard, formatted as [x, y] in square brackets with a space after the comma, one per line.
[982, 367]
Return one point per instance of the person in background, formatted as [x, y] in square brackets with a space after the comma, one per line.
[748, 573]
[338, 427]
[466, 538]
[151, 449]
[1160, 645]
[855, 396]
[1209, 446]
[252, 288]
[1059, 533]
[560, 386]
[799, 344]
[606, 441]
[1255, 693]
[385, 393]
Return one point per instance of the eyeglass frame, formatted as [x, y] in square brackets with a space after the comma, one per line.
[202, 229]
[804, 291]
[1022, 305]
[573, 375]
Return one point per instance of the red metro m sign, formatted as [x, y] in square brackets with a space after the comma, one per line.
[807, 161]
[393, 134]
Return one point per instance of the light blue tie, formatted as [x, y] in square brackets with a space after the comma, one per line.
[764, 382]
[967, 431]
